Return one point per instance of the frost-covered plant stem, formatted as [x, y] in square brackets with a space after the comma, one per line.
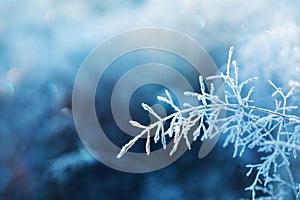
[275, 133]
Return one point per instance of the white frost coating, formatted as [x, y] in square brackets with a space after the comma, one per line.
[272, 132]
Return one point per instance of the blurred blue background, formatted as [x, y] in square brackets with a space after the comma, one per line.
[42, 45]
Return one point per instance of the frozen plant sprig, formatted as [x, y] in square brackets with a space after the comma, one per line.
[275, 133]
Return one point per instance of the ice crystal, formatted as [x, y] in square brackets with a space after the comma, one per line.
[275, 133]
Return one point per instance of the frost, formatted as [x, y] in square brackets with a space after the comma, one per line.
[274, 133]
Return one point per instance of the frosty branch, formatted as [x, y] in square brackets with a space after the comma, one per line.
[276, 133]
